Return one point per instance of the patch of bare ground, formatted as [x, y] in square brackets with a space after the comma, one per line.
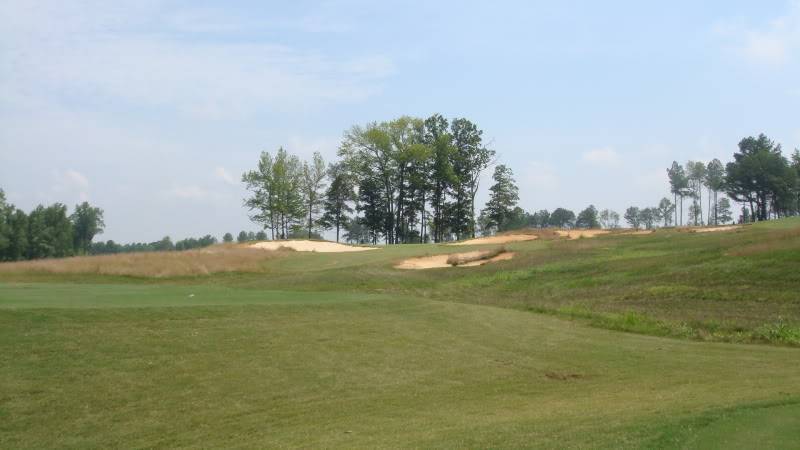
[466, 259]
[215, 259]
[310, 246]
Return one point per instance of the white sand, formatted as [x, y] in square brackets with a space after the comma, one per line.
[440, 261]
[577, 234]
[636, 232]
[716, 229]
[311, 246]
[504, 239]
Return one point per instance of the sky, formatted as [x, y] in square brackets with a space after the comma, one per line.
[152, 109]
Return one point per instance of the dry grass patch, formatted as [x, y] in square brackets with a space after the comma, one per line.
[215, 259]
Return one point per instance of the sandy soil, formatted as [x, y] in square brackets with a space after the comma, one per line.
[504, 239]
[577, 234]
[636, 232]
[440, 261]
[311, 246]
[715, 229]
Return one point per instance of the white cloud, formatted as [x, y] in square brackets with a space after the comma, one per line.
[62, 53]
[224, 175]
[773, 44]
[605, 156]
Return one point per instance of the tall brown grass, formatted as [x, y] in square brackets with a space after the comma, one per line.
[215, 259]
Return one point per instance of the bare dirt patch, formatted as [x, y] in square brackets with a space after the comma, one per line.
[470, 259]
[501, 239]
[310, 246]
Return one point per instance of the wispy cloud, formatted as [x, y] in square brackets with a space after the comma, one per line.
[605, 156]
[66, 56]
[773, 44]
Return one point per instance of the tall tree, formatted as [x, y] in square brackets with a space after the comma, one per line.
[338, 197]
[312, 185]
[87, 222]
[562, 218]
[715, 181]
[633, 216]
[696, 174]
[276, 200]
[442, 174]
[587, 218]
[723, 211]
[470, 159]
[665, 210]
[759, 176]
[679, 185]
[503, 197]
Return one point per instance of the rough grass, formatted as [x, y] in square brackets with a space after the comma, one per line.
[210, 260]
[458, 259]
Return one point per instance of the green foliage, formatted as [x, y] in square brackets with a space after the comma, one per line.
[588, 218]
[87, 222]
[504, 196]
[761, 177]
[227, 238]
[338, 197]
[562, 218]
[633, 215]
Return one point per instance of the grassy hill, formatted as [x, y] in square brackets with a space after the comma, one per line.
[343, 350]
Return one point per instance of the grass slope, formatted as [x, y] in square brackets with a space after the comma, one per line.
[244, 371]
[343, 350]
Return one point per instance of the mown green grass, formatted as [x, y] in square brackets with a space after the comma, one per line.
[226, 368]
[343, 350]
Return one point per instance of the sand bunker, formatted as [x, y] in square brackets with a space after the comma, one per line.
[577, 234]
[504, 239]
[440, 261]
[311, 246]
[636, 232]
[715, 229]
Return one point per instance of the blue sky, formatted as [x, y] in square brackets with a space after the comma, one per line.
[153, 109]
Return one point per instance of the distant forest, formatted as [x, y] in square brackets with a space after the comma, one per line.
[411, 180]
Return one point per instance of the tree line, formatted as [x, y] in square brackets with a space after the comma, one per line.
[401, 181]
[164, 244]
[51, 232]
[760, 177]
[47, 231]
